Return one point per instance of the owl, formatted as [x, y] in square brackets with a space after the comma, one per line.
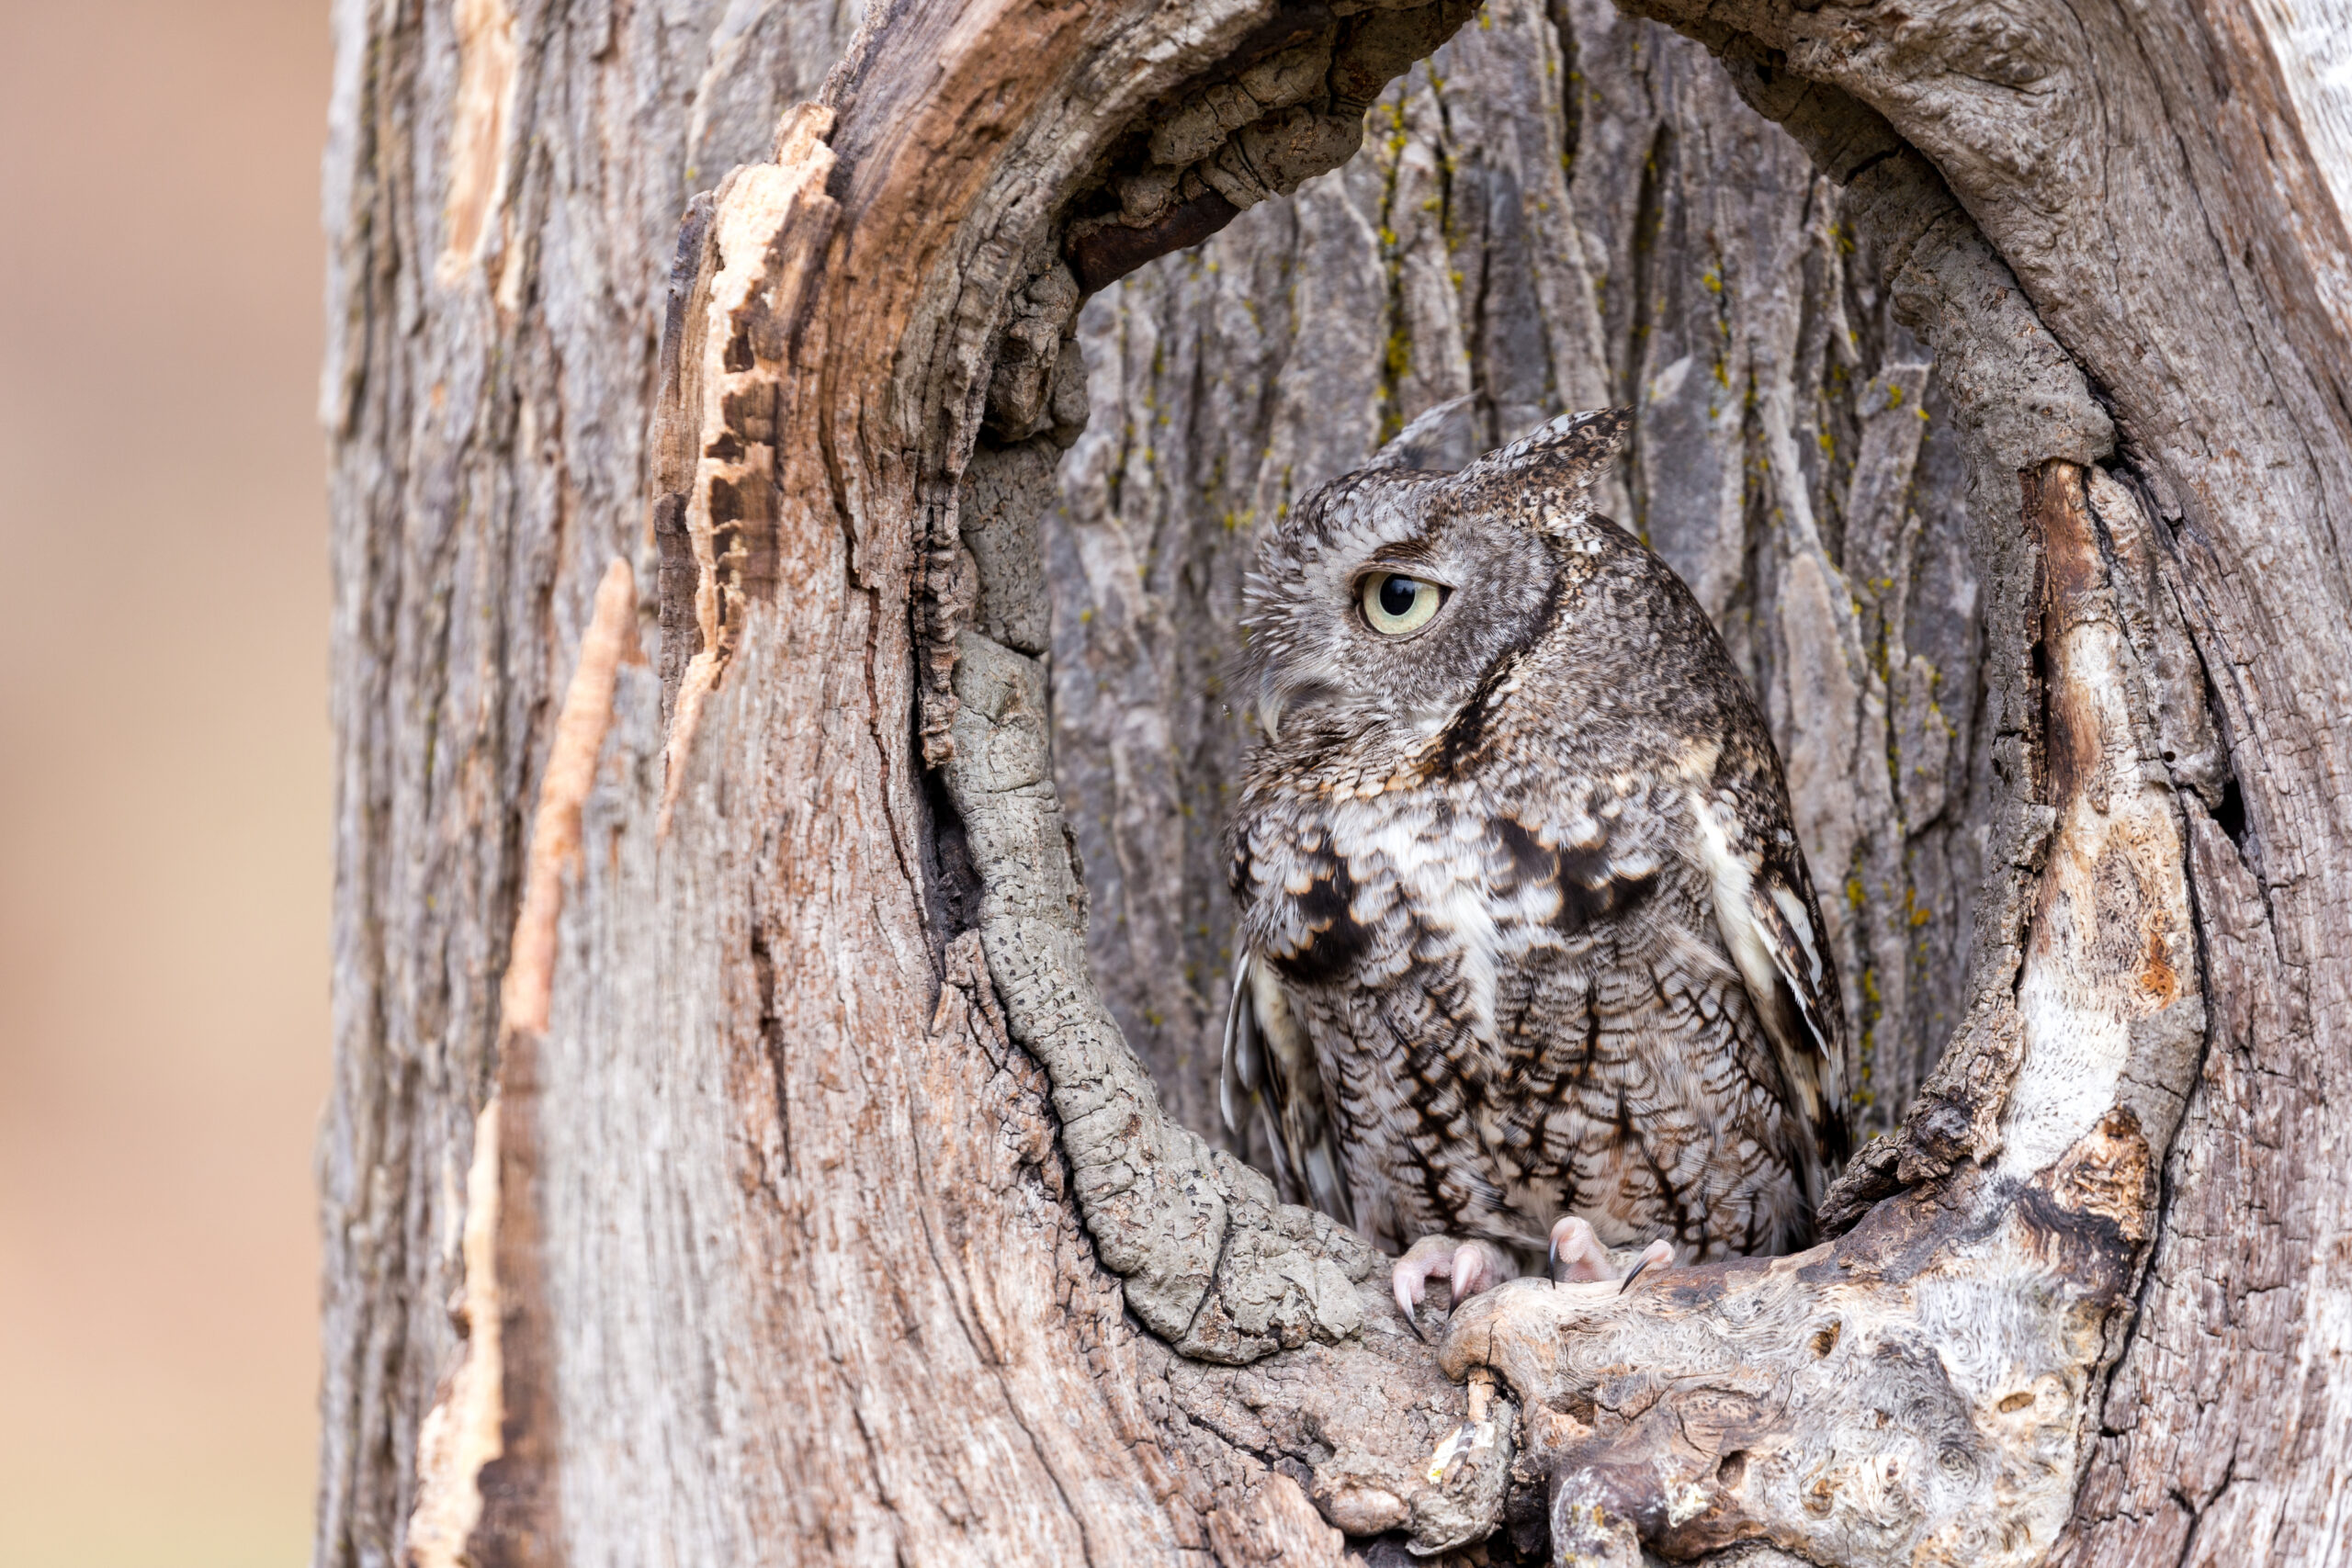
[1528, 957]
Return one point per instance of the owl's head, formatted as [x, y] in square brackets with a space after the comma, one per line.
[1385, 596]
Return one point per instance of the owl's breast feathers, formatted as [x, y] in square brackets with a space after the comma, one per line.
[1577, 965]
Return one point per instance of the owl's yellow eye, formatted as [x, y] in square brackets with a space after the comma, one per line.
[1394, 604]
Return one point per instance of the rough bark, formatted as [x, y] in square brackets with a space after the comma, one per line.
[504, 186]
[769, 1086]
[2159, 177]
[800, 1195]
[1563, 208]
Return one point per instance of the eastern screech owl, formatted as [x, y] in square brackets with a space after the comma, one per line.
[1527, 947]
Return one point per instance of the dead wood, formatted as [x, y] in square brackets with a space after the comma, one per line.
[784, 1165]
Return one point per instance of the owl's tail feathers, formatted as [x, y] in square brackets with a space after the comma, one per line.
[1326, 1183]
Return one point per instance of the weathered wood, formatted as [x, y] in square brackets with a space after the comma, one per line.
[830, 1205]
[487, 461]
[773, 1093]
[2162, 182]
[1541, 219]
[486, 403]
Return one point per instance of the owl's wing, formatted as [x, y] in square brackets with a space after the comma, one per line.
[1267, 1056]
[1765, 908]
[1243, 1064]
[1779, 918]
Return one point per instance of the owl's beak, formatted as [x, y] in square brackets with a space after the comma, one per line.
[1277, 695]
[1273, 696]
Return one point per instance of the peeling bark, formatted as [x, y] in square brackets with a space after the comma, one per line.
[801, 1192]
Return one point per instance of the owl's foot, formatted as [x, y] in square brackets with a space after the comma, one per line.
[1467, 1268]
[1577, 1253]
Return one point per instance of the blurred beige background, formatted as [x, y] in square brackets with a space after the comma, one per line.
[164, 778]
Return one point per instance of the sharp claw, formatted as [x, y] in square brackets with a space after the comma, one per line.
[1656, 1252]
[1408, 1280]
[1466, 1267]
[1582, 1250]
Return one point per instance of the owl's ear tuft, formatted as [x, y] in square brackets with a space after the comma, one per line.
[1589, 439]
[1564, 456]
[1440, 439]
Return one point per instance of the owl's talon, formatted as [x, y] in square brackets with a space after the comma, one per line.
[1656, 1252]
[1577, 1255]
[1467, 1268]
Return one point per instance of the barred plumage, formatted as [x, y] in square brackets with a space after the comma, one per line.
[1525, 931]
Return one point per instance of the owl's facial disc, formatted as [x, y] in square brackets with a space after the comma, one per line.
[1380, 604]
[1388, 604]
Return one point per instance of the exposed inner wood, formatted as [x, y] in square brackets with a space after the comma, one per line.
[829, 1134]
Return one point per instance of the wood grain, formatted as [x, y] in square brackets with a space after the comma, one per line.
[2149, 175]
[845, 1225]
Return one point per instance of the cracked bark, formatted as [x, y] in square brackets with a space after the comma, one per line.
[825, 1212]
[1793, 456]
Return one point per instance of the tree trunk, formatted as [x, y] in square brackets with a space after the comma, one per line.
[733, 1157]
[1794, 458]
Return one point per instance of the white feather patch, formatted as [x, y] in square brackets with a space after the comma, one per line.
[1732, 878]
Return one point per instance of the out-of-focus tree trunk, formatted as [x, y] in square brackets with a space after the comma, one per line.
[736, 1153]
